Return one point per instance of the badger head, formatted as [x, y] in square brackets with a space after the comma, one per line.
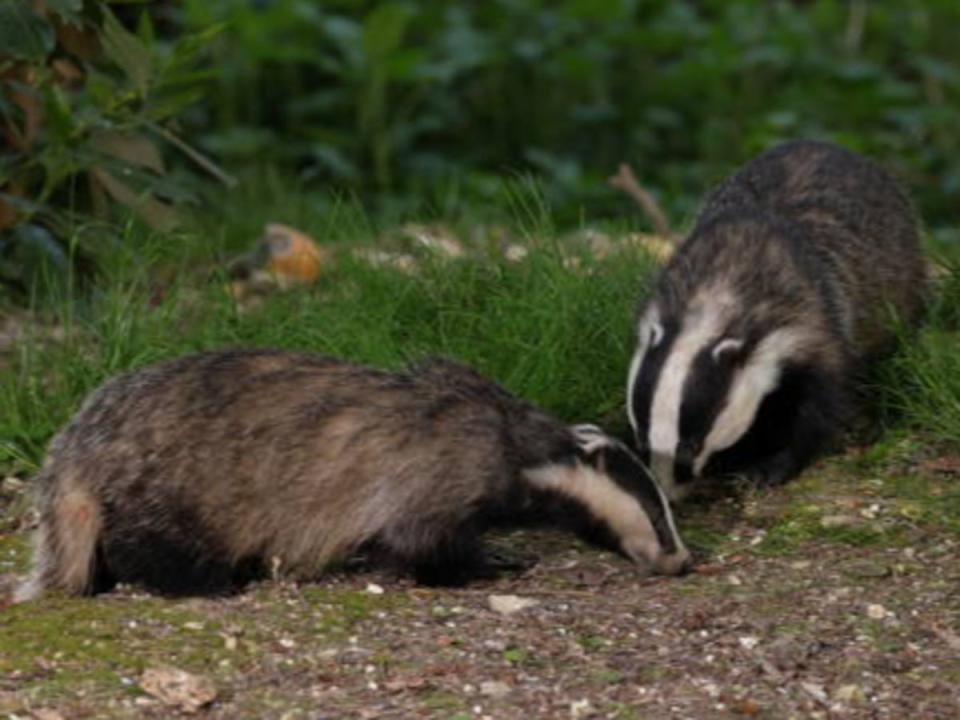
[609, 483]
[697, 384]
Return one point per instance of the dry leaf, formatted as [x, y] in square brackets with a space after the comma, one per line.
[510, 604]
[173, 686]
[293, 257]
[156, 214]
[129, 147]
[944, 465]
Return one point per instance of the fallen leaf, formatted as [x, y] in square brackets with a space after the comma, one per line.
[47, 714]
[510, 604]
[948, 636]
[293, 257]
[495, 688]
[945, 465]
[179, 688]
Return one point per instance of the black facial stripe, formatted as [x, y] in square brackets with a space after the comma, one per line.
[647, 378]
[629, 475]
[773, 429]
[704, 393]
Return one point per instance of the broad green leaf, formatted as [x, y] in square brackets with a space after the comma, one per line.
[127, 51]
[69, 10]
[24, 35]
[383, 30]
[130, 147]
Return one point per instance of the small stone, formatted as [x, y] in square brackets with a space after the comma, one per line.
[815, 691]
[375, 589]
[838, 521]
[849, 693]
[516, 253]
[734, 580]
[510, 604]
[868, 569]
[580, 709]
[876, 611]
[495, 688]
[288, 643]
[11, 484]
[47, 714]
[748, 642]
[193, 626]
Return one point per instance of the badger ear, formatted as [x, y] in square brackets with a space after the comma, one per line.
[726, 349]
[591, 441]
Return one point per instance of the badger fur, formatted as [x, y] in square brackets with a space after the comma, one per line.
[188, 476]
[749, 348]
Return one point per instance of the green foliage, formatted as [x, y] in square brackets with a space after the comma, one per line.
[510, 320]
[84, 106]
[399, 96]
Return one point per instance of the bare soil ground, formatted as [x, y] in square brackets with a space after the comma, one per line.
[837, 596]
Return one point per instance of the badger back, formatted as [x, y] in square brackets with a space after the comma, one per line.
[750, 339]
[271, 454]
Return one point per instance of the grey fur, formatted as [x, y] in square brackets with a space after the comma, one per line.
[182, 475]
[806, 236]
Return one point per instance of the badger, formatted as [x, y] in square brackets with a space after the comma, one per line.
[751, 346]
[190, 476]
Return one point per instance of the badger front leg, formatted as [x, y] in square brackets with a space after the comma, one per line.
[815, 422]
[437, 553]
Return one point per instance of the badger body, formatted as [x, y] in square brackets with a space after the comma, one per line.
[190, 476]
[751, 345]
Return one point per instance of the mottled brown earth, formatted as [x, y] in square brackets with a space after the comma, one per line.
[837, 596]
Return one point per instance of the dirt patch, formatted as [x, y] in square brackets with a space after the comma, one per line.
[792, 612]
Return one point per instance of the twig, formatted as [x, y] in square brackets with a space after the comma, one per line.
[626, 182]
[198, 157]
[855, 23]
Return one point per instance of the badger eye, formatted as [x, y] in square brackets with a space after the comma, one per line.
[726, 350]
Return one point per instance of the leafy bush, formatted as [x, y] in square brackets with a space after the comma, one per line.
[84, 109]
[397, 96]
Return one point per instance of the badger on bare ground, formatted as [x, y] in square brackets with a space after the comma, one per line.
[189, 476]
[750, 348]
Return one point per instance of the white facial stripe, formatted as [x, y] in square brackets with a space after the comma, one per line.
[649, 334]
[702, 325]
[605, 500]
[751, 385]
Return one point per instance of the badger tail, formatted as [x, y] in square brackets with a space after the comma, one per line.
[65, 547]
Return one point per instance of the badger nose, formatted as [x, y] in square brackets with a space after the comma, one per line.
[678, 563]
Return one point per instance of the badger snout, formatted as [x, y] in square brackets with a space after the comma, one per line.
[656, 560]
[678, 563]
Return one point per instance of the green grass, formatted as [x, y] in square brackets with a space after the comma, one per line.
[558, 335]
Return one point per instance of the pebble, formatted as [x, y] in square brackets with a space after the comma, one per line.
[510, 604]
[837, 521]
[876, 611]
[849, 693]
[494, 688]
[375, 589]
[580, 709]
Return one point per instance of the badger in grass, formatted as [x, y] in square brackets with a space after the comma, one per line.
[751, 345]
[188, 476]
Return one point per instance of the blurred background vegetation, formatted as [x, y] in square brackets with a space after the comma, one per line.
[419, 108]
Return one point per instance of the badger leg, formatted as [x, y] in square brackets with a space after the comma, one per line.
[450, 557]
[65, 552]
[813, 428]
